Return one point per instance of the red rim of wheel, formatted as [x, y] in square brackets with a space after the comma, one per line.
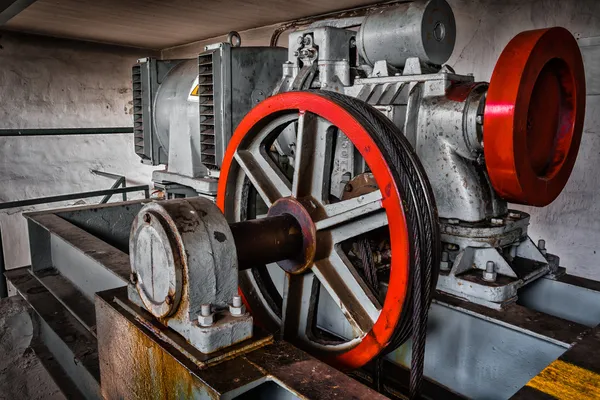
[383, 330]
[534, 115]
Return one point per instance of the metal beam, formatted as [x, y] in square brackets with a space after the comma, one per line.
[10, 8]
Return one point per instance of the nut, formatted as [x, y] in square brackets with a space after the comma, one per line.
[497, 221]
[514, 215]
[453, 221]
[206, 320]
[489, 276]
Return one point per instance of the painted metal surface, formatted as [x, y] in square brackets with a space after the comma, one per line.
[486, 353]
[534, 114]
[423, 29]
[136, 364]
[374, 323]
[183, 259]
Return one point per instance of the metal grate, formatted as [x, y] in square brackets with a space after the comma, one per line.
[207, 111]
[138, 126]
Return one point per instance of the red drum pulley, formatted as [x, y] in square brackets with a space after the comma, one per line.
[534, 114]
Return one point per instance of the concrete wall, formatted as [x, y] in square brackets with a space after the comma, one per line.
[47, 83]
[570, 225]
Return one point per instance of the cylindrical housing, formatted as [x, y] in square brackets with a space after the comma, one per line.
[423, 29]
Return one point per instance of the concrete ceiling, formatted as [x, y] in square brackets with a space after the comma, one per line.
[160, 24]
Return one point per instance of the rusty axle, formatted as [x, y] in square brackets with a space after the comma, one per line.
[266, 240]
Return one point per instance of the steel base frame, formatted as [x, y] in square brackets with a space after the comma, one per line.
[472, 350]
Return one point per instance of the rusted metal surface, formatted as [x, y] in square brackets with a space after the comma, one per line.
[303, 259]
[267, 240]
[135, 363]
[169, 336]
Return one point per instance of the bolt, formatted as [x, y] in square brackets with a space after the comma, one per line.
[147, 218]
[445, 263]
[205, 310]
[480, 119]
[451, 246]
[514, 215]
[237, 308]
[453, 221]
[306, 40]
[348, 187]
[489, 275]
[169, 299]
[296, 54]
[133, 278]
[497, 221]
[299, 40]
[542, 246]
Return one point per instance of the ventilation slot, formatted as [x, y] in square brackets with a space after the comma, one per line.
[207, 113]
[138, 120]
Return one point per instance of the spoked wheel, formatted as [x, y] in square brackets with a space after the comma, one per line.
[347, 297]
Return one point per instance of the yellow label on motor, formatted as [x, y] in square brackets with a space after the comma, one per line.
[195, 91]
[564, 380]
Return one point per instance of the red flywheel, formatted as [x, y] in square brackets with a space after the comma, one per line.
[324, 301]
[534, 116]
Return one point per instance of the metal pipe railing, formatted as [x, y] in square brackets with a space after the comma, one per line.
[64, 131]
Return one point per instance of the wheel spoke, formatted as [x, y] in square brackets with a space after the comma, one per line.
[350, 218]
[348, 290]
[268, 180]
[314, 149]
[300, 295]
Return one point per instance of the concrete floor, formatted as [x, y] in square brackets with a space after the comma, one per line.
[22, 374]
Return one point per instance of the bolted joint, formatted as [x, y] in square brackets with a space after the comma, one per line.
[490, 275]
[542, 247]
[133, 278]
[445, 263]
[206, 317]
[237, 308]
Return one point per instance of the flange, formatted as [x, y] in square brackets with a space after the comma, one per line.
[248, 166]
[533, 117]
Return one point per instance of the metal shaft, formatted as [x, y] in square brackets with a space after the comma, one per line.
[266, 240]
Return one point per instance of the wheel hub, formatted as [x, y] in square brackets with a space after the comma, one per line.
[291, 206]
